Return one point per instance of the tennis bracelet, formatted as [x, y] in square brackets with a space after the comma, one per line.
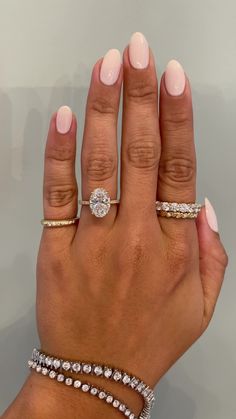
[58, 369]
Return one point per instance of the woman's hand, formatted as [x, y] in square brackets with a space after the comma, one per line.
[130, 289]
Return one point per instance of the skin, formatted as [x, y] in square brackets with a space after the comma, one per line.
[132, 289]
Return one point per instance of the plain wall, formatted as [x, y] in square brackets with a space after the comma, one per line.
[47, 50]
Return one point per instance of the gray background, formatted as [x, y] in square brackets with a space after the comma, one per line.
[48, 48]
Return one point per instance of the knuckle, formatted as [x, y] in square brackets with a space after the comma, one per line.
[178, 121]
[177, 169]
[142, 91]
[102, 106]
[143, 152]
[58, 196]
[100, 165]
[60, 154]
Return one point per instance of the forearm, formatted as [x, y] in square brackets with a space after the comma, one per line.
[42, 398]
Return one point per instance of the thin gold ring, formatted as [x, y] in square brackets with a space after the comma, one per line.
[59, 223]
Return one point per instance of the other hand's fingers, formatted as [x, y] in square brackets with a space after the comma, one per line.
[213, 259]
[99, 150]
[60, 186]
[140, 149]
[177, 169]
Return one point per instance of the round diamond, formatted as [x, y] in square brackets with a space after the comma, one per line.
[85, 388]
[127, 412]
[69, 381]
[87, 368]
[122, 408]
[165, 206]
[126, 379]
[94, 391]
[44, 371]
[52, 374]
[60, 378]
[117, 376]
[30, 363]
[108, 372]
[131, 416]
[66, 365]
[98, 370]
[99, 202]
[76, 367]
[77, 384]
[38, 368]
[109, 399]
[116, 403]
[48, 361]
[102, 395]
[56, 363]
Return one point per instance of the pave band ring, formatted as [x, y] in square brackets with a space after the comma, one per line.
[59, 223]
[99, 202]
[177, 210]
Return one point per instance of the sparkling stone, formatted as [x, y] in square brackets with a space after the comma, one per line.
[165, 206]
[140, 387]
[126, 379]
[38, 368]
[68, 381]
[127, 412]
[44, 371]
[131, 416]
[102, 395]
[48, 361]
[41, 358]
[77, 384]
[134, 383]
[87, 368]
[30, 363]
[56, 363]
[108, 372]
[76, 367]
[98, 370]
[99, 202]
[109, 399]
[34, 365]
[85, 388]
[94, 391]
[117, 376]
[66, 365]
[122, 407]
[60, 378]
[52, 374]
[116, 403]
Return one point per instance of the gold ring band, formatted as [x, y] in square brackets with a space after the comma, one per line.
[169, 214]
[59, 223]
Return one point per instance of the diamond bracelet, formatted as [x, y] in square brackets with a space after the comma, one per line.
[42, 360]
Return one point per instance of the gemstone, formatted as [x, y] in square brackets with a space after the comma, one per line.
[140, 387]
[94, 391]
[48, 361]
[38, 368]
[127, 412]
[85, 388]
[102, 395]
[30, 363]
[77, 384]
[76, 367]
[116, 403]
[126, 379]
[87, 368]
[122, 408]
[134, 383]
[165, 206]
[108, 372]
[66, 365]
[98, 370]
[44, 371]
[109, 399]
[52, 374]
[60, 378]
[99, 202]
[131, 416]
[117, 375]
[68, 381]
[56, 363]
[34, 365]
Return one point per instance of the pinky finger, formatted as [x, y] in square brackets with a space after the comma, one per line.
[213, 259]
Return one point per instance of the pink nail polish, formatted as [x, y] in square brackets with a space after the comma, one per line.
[64, 119]
[110, 68]
[175, 78]
[211, 216]
[138, 51]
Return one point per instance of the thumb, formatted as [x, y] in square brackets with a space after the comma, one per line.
[213, 258]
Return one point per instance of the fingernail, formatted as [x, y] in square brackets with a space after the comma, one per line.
[211, 216]
[110, 68]
[175, 78]
[138, 51]
[64, 119]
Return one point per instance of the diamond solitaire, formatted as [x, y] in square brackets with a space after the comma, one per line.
[99, 202]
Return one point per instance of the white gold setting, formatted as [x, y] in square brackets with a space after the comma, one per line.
[99, 202]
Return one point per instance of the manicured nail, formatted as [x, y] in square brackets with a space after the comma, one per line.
[175, 78]
[211, 216]
[138, 51]
[64, 119]
[110, 68]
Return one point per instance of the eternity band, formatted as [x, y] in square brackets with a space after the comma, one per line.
[42, 360]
